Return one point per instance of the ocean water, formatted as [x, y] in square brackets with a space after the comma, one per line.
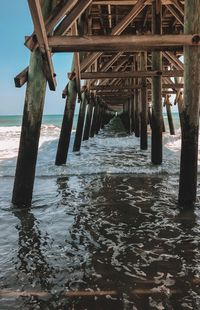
[104, 231]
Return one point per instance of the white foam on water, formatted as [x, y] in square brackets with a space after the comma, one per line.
[105, 153]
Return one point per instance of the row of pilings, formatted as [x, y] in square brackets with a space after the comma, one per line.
[189, 114]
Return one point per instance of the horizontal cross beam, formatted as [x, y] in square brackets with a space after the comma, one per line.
[113, 87]
[129, 74]
[126, 2]
[121, 42]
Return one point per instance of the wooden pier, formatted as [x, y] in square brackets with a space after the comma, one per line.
[128, 58]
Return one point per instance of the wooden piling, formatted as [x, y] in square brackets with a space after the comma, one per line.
[144, 106]
[31, 124]
[136, 104]
[103, 117]
[190, 112]
[94, 118]
[65, 133]
[88, 119]
[80, 123]
[157, 120]
[150, 116]
[163, 125]
[169, 115]
[98, 115]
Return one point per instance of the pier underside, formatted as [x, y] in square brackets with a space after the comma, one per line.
[130, 58]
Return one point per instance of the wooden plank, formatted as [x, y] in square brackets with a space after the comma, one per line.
[177, 4]
[113, 87]
[128, 74]
[175, 14]
[121, 43]
[21, 78]
[41, 34]
[173, 60]
[126, 2]
[68, 21]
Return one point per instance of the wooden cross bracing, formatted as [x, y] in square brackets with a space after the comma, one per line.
[111, 39]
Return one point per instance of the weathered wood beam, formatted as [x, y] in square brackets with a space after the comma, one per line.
[177, 4]
[190, 110]
[173, 60]
[41, 34]
[121, 42]
[58, 13]
[68, 21]
[129, 74]
[174, 13]
[113, 87]
[126, 2]
[21, 78]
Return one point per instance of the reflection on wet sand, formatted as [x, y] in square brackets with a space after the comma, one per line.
[108, 242]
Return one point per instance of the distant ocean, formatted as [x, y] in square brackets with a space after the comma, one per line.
[107, 221]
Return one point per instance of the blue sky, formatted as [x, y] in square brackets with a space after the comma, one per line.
[16, 23]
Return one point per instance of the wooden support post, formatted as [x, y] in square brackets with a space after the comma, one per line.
[94, 119]
[65, 133]
[144, 108]
[103, 117]
[98, 116]
[190, 113]
[136, 104]
[132, 113]
[129, 116]
[88, 119]
[150, 116]
[125, 117]
[163, 125]
[169, 116]
[31, 124]
[180, 107]
[157, 118]
[80, 123]
[179, 101]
